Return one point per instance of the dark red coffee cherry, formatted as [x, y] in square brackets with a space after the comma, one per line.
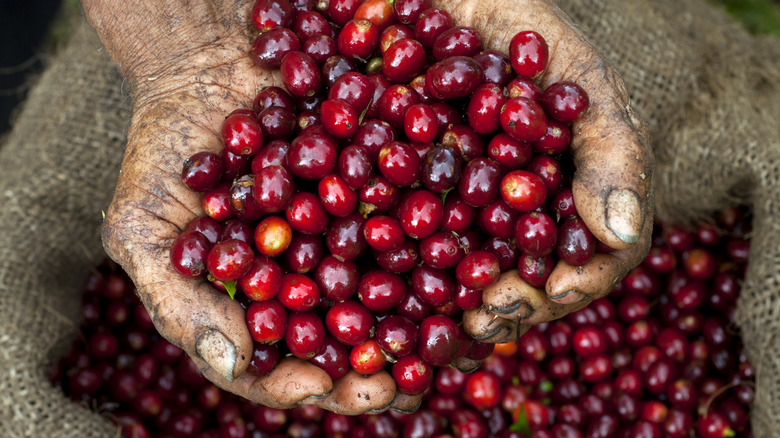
[576, 243]
[300, 74]
[242, 198]
[337, 279]
[189, 252]
[436, 287]
[335, 67]
[397, 335]
[358, 39]
[421, 214]
[380, 291]
[349, 322]
[394, 103]
[479, 185]
[305, 334]
[270, 47]
[312, 156]
[453, 77]
[408, 11]
[344, 237]
[339, 118]
[353, 88]
[354, 166]
[399, 163]
[441, 250]
[510, 153]
[412, 375]
[464, 140]
[266, 320]
[523, 119]
[478, 270]
[202, 171]
[440, 169]
[276, 123]
[403, 60]
[555, 140]
[333, 358]
[536, 234]
[485, 108]
[263, 280]
[529, 54]
[457, 41]
[383, 233]
[438, 340]
[392, 34]
[320, 48]
[496, 68]
[272, 154]
[535, 270]
[565, 101]
[306, 214]
[430, 24]
[401, 260]
[268, 14]
[264, 359]
[272, 189]
[336, 196]
[229, 260]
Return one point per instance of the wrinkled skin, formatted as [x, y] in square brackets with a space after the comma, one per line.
[187, 66]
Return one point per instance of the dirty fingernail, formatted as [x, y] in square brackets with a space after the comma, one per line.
[624, 215]
[560, 296]
[214, 348]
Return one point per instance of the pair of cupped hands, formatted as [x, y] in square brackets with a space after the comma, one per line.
[187, 65]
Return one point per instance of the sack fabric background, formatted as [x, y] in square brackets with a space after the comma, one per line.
[708, 90]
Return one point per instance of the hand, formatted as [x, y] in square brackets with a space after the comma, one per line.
[188, 68]
[612, 185]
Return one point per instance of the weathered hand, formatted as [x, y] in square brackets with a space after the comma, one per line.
[188, 67]
[612, 185]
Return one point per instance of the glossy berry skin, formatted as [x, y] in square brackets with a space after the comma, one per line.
[264, 359]
[267, 14]
[354, 166]
[430, 24]
[576, 244]
[498, 219]
[358, 39]
[399, 163]
[536, 234]
[565, 101]
[189, 252]
[421, 124]
[401, 260]
[242, 198]
[438, 341]
[714, 425]
[522, 190]
[312, 156]
[367, 358]
[270, 47]
[336, 197]
[273, 153]
[555, 140]
[480, 182]
[272, 189]
[298, 292]
[353, 88]
[339, 118]
[272, 96]
[320, 48]
[485, 107]
[336, 279]
[457, 41]
[549, 170]
[453, 77]
[394, 102]
[305, 334]
[309, 24]
[510, 153]
[440, 169]
[408, 11]
[306, 215]
[528, 54]
[421, 214]
[266, 320]
[263, 280]
[392, 34]
[397, 335]
[344, 237]
[349, 322]
[436, 287]
[333, 358]
[441, 250]
[272, 236]
[300, 74]
[383, 233]
[202, 171]
[403, 60]
[478, 270]
[380, 291]
[229, 260]
[523, 119]
[412, 375]
[496, 68]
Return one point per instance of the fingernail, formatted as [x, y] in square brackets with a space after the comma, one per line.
[487, 335]
[214, 348]
[624, 215]
[560, 296]
[508, 309]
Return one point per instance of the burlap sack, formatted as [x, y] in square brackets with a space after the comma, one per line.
[707, 89]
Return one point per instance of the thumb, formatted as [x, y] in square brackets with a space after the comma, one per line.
[191, 314]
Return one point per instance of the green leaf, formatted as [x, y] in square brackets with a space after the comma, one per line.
[230, 287]
[521, 425]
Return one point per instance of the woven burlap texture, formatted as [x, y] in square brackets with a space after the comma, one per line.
[707, 90]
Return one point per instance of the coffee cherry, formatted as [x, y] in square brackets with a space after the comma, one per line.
[202, 171]
[529, 54]
[229, 260]
[266, 320]
[305, 334]
[349, 322]
[412, 375]
[189, 252]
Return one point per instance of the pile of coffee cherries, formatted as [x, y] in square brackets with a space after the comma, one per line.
[659, 357]
[358, 213]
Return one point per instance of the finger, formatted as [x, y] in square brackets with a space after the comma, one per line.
[572, 284]
[406, 404]
[356, 394]
[466, 365]
[292, 382]
[486, 326]
[511, 288]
